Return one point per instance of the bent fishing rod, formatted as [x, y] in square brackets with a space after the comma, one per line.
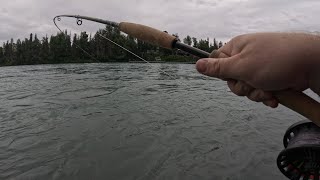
[294, 100]
[146, 34]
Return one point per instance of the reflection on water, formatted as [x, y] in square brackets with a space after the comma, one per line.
[132, 121]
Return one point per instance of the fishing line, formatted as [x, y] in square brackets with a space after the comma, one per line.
[79, 22]
[169, 75]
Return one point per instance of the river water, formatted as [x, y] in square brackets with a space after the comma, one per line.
[132, 121]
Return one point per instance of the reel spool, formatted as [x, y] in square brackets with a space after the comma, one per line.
[300, 160]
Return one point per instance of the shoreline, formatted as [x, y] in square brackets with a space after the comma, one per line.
[168, 62]
[110, 62]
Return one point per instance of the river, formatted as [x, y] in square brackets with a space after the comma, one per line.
[132, 121]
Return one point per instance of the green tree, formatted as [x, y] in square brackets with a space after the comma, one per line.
[195, 42]
[130, 43]
[28, 50]
[187, 40]
[19, 52]
[203, 44]
[7, 53]
[35, 49]
[60, 48]
[1, 56]
[215, 44]
[84, 44]
[74, 48]
[45, 51]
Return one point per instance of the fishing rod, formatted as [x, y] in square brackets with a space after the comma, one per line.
[145, 33]
[294, 100]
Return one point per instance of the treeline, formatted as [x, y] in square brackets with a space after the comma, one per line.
[79, 48]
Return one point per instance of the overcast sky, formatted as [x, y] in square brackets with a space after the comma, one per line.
[222, 19]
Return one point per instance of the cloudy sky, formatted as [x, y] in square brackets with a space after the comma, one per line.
[222, 19]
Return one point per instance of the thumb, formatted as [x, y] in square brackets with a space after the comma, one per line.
[222, 68]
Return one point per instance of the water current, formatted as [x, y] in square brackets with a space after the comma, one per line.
[132, 121]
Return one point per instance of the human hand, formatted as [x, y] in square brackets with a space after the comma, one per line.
[254, 65]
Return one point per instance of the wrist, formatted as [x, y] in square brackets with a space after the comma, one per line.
[310, 51]
[313, 61]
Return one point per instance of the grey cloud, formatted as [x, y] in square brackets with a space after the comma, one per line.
[222, 19]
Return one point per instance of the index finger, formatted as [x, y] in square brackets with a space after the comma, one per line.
[218, 54]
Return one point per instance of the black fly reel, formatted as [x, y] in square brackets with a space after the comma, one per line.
[300, 160]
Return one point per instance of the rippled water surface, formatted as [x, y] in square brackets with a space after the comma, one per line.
[131, 121]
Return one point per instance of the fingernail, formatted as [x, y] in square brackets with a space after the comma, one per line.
[201, 65]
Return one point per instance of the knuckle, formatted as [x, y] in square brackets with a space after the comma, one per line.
[215, 54]
[259, 95]
[238, 93]
[240, 89]
[254, 96]
[214, 69]
[234, 89]
[246, 88]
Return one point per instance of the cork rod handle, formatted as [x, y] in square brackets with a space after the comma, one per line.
[148, 34]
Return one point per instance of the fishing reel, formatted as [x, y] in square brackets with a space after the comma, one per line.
[300, 160]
